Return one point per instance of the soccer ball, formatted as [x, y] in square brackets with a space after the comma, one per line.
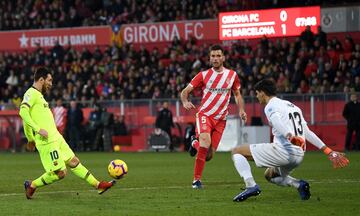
[116, 148]
[117, 169]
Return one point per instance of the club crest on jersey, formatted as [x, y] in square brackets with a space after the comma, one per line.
[46, 105]
[55, 163]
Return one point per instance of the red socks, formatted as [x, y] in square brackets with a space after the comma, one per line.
[200, 162]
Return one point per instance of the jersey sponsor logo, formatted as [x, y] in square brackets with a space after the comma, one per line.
[218, 90]
[290, 105]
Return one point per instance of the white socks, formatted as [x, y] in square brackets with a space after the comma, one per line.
[285, 181]
[243, 168]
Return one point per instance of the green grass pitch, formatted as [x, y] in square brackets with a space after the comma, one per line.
[160, 184]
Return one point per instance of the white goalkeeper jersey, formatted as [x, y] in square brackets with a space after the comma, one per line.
[285, 117]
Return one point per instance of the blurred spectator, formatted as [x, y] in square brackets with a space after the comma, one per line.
[351, 113]
[12, 79]
[307, 36]
[16, 100]
[57, 52]
[120, 126]
[164, 121]
[60, 113]
[107, 120]
[73, 127]
[321, 37]
[94, 132]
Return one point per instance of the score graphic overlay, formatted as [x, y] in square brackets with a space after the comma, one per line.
[270, 23]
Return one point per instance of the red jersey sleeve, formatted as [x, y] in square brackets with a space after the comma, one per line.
[197, 80]
[236, 85]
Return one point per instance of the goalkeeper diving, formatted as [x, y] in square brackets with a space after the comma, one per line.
[41, 132]
[286, 152]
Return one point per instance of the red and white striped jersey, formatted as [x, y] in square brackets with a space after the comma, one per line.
[59, 116]
[216, 89]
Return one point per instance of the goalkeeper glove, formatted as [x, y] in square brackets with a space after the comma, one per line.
[338, 159]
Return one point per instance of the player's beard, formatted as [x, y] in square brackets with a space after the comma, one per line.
[45, 89]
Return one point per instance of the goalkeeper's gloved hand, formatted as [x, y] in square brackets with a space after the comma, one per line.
[338, 159]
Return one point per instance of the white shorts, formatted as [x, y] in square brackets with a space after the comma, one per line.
[276, 155]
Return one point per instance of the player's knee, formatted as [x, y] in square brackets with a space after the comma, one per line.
[61, 173]
[204, 141]
[270, 173]
[233, 151]
[73, 162]
[237, 150]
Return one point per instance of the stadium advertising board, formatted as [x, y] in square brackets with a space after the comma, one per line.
[271, 23]
[31, 39]
[168, 31]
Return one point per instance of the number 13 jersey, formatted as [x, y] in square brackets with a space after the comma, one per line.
[291, 118]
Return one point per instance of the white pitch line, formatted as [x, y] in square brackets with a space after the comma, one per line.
[327, 181]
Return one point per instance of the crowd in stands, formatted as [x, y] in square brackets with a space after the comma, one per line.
[35, 14]
[310, 64]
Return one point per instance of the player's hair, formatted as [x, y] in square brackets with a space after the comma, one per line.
[41, 72]
[216, 47]
[267, 86]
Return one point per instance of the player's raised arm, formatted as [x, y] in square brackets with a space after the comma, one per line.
[240, 102]
[338, 159]
[184, 97]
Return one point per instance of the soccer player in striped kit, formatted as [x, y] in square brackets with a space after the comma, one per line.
[216, 83]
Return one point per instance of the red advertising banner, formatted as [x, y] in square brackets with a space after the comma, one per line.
[168, 31]
[47, 38]
[271, 23]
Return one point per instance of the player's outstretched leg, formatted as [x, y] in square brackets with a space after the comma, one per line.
[248, 192]
[304, 190]
[45, 179]
[193, 146]
[82, 172]
[104, 186]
